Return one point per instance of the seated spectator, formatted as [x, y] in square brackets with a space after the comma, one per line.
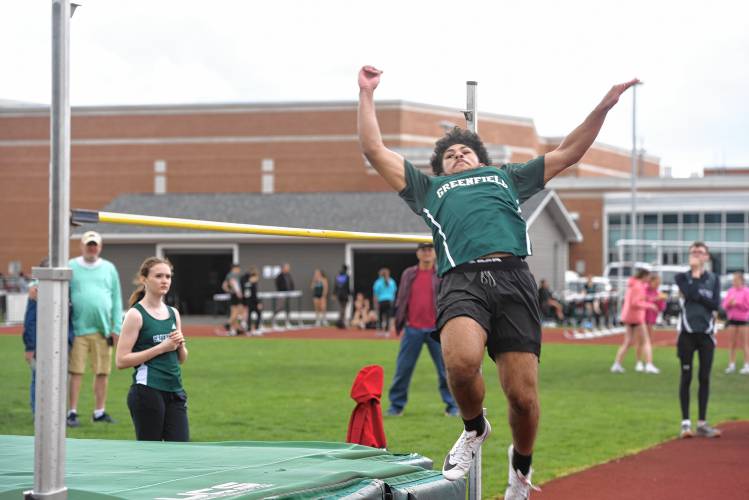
[360, 314]
[592, 304]
[371, 318]
[549, 305]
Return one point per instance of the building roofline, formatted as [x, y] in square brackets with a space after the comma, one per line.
[563, 217]
[34, 110]
[665, 183]
[252, 107]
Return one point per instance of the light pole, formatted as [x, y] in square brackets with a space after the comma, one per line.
[633, 178]
[471, 114]
[52, 326]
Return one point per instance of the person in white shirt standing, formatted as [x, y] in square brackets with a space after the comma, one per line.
[97, 319]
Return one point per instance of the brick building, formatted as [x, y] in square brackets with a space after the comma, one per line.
[254, 148]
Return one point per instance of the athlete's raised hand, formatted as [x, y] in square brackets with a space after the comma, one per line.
[369, 78]
[612, 97]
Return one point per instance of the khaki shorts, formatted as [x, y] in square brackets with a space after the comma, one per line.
[101, 354]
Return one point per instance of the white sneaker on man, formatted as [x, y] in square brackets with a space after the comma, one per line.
[519, 486]
[745, 369]
[640, 366]
[650, 368]
[460, 458]
[731, 368]
[617, 368]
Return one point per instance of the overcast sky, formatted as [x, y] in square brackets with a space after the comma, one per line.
[547, 60]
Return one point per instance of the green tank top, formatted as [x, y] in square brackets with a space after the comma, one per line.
[162, 372]
[476, 212]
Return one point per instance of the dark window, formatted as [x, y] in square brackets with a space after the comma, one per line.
[713, 218]
[735, 217]
[670, 218]
[615, 219]
[691, 218]
[651, 218]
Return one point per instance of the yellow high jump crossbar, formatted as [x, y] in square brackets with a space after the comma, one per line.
[79, 216]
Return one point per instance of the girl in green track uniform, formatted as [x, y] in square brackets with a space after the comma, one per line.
[152, 342]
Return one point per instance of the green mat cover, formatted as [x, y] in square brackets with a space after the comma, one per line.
[103, 469]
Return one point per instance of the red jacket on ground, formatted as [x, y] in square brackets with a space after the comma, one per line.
[365, 426]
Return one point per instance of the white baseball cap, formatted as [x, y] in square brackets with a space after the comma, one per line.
[91, 237]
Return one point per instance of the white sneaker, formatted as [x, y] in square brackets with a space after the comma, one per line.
[460, 458]
[639, 367]
[686, 430]
[519, 486]
[745, 369]
[650, 368]
[617, 368]
[731, 368]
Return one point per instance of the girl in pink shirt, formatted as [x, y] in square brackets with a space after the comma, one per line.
[736, 305]
[633, 317]
[644, 354]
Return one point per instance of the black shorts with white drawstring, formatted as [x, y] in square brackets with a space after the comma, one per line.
[500, 294]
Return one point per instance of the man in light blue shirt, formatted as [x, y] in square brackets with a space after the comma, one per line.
[383, 292]
[97, 318]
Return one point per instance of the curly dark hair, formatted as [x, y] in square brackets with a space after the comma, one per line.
[457, 136]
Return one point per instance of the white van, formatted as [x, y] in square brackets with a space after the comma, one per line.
[612, 271]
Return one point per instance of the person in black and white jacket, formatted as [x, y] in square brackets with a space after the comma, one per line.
[700, 299]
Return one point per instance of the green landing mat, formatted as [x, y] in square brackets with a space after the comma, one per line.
[99, 469]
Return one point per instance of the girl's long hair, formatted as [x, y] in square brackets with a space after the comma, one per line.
[145, 268]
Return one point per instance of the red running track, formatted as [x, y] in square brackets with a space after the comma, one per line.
[680, 469]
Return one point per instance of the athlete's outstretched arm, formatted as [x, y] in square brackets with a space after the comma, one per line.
[388, 164]
[574, 146]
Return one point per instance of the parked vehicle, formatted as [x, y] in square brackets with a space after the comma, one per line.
[611, 271]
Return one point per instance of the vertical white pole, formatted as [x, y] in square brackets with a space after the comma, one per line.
[52, 307]
[633, 180]
[474, 475]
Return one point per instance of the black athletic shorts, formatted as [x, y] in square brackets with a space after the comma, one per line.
[501, 296]
[235, 301]
[736, 322]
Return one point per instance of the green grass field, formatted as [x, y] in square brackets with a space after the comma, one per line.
[268, 389]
